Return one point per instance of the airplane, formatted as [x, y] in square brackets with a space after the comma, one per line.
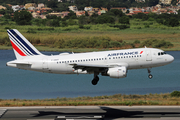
[113, 63]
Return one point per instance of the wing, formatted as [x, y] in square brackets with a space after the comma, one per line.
[97, 67]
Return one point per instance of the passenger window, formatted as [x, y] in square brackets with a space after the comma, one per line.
[159, 53]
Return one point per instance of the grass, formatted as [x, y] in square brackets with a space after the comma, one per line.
[137, 31]
[117, 99]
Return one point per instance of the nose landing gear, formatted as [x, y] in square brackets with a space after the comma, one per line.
[149, 71]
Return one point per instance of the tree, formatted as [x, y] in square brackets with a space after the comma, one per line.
[104, 19]
[23, 17]
[52, 4]
[117, 12]
[124, 20]
[82, 20]
[173, 22]
[55, 23]
[86, 13]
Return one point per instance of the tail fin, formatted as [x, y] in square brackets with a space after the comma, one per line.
[21, 46]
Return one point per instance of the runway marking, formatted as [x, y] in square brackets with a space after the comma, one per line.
[40, 119]
[2, 111]
[90, 117]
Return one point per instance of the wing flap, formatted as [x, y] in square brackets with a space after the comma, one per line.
[81, 66]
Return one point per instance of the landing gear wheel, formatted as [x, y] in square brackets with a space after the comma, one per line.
[150, 76]
[95, 80]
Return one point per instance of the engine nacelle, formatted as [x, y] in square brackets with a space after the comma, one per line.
[117, 72]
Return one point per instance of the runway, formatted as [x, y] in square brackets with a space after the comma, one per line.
[91, 113]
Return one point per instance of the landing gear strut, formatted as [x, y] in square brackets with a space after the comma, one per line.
[95, 80]
[149, 71]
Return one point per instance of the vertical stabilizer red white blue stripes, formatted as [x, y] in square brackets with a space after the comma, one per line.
[21, 45]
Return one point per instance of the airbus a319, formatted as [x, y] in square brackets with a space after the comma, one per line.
[114, 64]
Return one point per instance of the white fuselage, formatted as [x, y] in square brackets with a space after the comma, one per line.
[63, 63]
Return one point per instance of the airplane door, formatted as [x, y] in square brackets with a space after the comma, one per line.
[45, 65]
[148, 56]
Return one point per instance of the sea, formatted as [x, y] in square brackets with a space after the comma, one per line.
[23, 84]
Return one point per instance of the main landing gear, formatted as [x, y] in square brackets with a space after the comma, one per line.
[95, 80]
[149, 71]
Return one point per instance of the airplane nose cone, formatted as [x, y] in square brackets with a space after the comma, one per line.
[170, 58]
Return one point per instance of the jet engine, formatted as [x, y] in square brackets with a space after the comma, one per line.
[117, 72]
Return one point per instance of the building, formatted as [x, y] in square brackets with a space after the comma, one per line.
[96, 10]
[41, 5]
[140, 0]
[15, 7]
[2, 7]
[73, 8]
[29, 5]
[1, 15]
[88, 8]
[167, 2]
[80, 13]
[59, 14]
[31, 8]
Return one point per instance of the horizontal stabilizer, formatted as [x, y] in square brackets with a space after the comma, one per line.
[18, 62]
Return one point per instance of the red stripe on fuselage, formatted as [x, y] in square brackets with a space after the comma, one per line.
[17, 49]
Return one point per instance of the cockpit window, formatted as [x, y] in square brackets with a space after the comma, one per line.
[161, 53]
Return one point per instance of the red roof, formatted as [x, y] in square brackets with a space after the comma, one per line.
[137, 11]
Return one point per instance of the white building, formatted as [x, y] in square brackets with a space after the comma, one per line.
[140, 0]
[16, 7]
[88, 8]
[31, 8]
[73, 8]
[41, 5]
[167, 2]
